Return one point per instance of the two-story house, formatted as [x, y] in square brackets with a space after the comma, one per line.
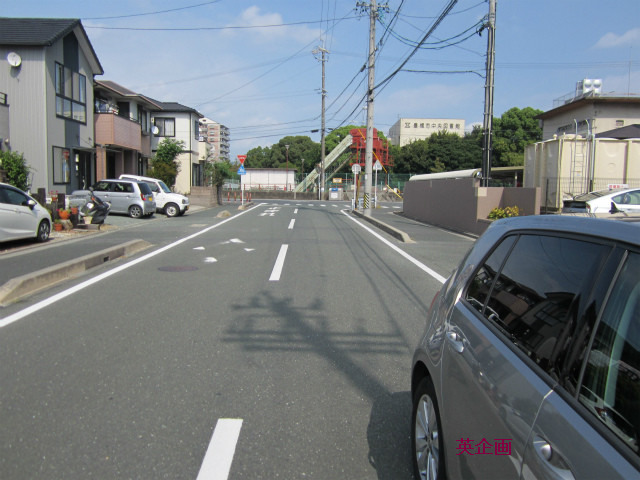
[123, 130]
[46, 78]
[180, 123]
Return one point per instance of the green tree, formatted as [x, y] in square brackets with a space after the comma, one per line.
[16, 168]
[164, 164]
[216, 173]
[512, 132]
[258, 157]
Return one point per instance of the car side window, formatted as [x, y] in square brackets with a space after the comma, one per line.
[611, 383]
[480, 286]
[16, 198]
[535, 293]
[102, 186]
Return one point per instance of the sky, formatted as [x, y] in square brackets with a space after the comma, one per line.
[255, 66]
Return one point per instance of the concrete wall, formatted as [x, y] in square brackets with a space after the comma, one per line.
[462, 205]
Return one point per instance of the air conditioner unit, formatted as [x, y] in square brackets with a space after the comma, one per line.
[589, 86]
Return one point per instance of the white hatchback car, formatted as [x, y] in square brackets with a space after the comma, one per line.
[602, 201]
[21, 216]
[170, 203]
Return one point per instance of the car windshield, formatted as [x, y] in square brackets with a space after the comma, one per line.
[164, 187]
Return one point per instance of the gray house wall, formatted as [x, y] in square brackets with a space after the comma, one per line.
[35, 128]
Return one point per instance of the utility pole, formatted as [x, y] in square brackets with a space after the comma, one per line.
[488, 95]
[322, 127]
[368, 153]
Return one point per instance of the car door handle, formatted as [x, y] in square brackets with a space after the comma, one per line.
[551, 459]
[455, 341]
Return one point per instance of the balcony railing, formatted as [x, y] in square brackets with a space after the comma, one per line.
[111, 129]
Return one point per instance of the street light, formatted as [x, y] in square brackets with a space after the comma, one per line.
[286, 181]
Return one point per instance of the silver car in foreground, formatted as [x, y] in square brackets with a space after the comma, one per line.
[529, 366]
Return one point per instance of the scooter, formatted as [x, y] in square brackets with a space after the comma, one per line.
[96, 208]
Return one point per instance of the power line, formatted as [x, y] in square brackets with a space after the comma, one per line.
[152, 13]
[229, 27]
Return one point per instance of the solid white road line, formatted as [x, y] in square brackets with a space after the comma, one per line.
[217, 461]
[417, 263]
[277, 268]
[81, 286]
[291, 224]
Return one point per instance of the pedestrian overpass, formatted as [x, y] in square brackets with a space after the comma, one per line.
[329, 161]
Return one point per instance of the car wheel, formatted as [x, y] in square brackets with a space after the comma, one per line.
[426, 434]
[43, 231]
[135, 211]
[171, 210]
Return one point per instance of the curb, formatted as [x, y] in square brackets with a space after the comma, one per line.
[24, 285]
[394, 232]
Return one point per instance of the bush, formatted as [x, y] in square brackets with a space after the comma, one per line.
[505, 212]
[16, 168]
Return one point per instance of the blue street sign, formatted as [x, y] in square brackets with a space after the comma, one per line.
[241, 170]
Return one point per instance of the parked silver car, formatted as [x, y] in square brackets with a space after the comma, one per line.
[529, 366]
[125, 196]
[170, 203]
[21, 216]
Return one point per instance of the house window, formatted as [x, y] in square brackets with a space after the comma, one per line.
[619, 123]
[61, 165]
[71, 94]
[166, 127]
[407, 125]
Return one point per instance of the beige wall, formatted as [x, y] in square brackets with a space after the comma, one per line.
[461, 205]
[566, 166]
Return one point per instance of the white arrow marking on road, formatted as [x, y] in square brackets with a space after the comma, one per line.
[210, 260]
[291, 224]
[217, 461]
[277, 268]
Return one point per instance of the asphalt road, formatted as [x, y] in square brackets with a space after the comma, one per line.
[275, 343]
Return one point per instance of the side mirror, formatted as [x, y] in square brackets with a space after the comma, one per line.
[31, 204]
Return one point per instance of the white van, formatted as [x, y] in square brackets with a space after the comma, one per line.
[171, 204]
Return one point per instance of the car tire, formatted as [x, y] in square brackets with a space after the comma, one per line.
[426, 434]
[135, 211]
[171, 210]
[44, 229]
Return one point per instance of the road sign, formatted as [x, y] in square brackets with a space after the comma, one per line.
[356, 168]
[377, 166]
[241, 159]
[241, 170]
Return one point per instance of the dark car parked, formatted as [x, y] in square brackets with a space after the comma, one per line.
[529, 366]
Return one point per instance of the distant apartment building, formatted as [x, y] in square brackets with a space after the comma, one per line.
[407, 130]
[216, 136]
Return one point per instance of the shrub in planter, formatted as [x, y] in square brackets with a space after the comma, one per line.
[505, 212]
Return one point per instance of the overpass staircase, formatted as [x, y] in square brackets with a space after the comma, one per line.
[329, 160]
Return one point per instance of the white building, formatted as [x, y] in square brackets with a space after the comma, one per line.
[216, 136]
[407, 130]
